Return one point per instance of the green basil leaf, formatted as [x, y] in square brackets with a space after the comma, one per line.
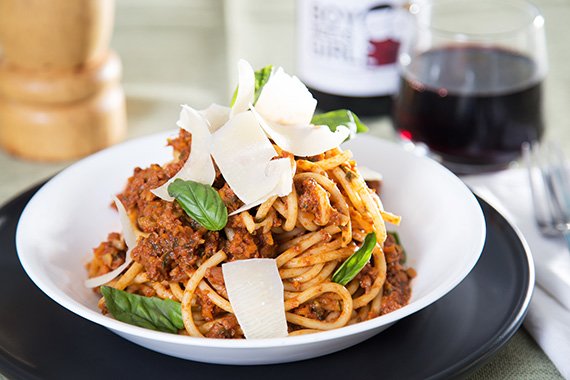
[149, 312]
[344, 117]
[234, 97]
[201, 202]
[354, 264]
[261, 77]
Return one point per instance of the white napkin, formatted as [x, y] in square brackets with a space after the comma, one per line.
[548, 318]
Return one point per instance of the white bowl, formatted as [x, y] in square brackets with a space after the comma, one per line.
[442, 230]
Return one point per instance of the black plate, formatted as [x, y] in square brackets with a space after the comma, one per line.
[40, 339]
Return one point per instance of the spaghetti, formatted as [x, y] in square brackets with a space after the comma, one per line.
[309, 233]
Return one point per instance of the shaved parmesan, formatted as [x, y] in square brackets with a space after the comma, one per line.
[199, 166]
[255, 292]
[283, 187]
[246, 88]
[130, 235]
[302, 140]
[216, 116]
[286, 100]
[244, 155]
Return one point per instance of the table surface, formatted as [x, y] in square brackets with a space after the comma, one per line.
[185, 51]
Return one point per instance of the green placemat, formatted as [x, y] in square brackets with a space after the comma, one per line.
[521, 358]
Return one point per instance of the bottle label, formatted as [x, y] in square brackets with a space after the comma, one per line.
[349, 48]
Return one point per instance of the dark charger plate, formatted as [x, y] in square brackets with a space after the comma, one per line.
[41, 340]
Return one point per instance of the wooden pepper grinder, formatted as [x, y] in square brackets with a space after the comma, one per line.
[60, 92]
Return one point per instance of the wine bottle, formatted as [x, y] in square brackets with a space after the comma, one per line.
[347, 51]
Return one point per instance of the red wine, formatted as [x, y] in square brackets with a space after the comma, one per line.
[471, 105]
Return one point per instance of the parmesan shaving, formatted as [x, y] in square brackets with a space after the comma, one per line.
[302, 140]
[130, 235]
[283, 187]
[216, 116]
[255, 292]
[246, 88]
[284, 110]
[199, 166]
[286, 100]
[244, 155]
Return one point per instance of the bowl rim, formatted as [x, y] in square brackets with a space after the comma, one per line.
[78, 308]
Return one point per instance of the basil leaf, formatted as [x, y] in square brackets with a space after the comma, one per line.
[354, 264]
[234, 97]
[261, 77]
[201, 202]
[149, 312]
[344, 117]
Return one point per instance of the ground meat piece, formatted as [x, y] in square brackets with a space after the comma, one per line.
[107, 256]
[143, 290]
[158, 214]
[311, 310]
[394, 297]
[137, 192]
[207, 308]
[161, 252]
[229, 198]
[320, 307]
[265, 244]
[397, 291]
[181, 144]
[235, 221]
[242, 245]
[225, 328]
[212, 243]
[314, 200]
[366, 277]
[216, 278]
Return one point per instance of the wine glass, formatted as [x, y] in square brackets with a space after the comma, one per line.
[471, 81]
